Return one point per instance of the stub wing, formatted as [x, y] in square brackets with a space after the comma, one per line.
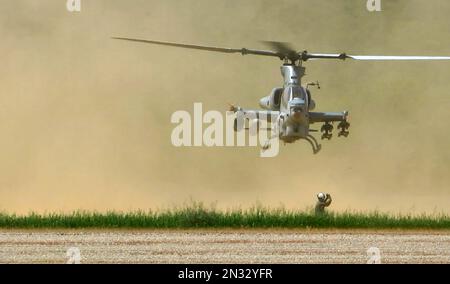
[266, 115]
[327, 116]
[245, 117]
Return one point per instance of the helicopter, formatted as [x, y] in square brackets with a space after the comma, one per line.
[292, 104]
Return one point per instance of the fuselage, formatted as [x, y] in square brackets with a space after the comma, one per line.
[293, 101]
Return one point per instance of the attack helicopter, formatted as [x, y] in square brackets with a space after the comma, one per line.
[292, 104]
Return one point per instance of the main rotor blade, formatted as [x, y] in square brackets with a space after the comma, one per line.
[307, 56]
[285, 50]
[383, 57]
[344, 56]
[280, 47]
[242, 51]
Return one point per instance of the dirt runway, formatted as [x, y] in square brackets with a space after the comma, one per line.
[222, 246]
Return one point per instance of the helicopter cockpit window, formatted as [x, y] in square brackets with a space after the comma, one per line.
[297, 93]
[277, 96]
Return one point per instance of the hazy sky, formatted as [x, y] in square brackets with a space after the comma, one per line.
[85, 120]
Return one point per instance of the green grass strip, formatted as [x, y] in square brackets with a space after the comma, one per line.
[197, 216]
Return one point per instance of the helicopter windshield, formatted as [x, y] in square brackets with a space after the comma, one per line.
[297, 92]
[293, 92]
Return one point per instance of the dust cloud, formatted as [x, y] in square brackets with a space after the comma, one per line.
[85, 120]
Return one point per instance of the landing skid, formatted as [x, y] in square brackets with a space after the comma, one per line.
[315, 145]
[267, 143]
[266, 146]
[311, 139]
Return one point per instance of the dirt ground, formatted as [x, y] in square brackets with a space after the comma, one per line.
[222, 246]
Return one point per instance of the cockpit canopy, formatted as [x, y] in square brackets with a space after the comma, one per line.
[294, 92]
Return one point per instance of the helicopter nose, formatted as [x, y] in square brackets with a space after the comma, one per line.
[297, 114]
[297, 107]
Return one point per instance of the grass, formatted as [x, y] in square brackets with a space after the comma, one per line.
[198, 216]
